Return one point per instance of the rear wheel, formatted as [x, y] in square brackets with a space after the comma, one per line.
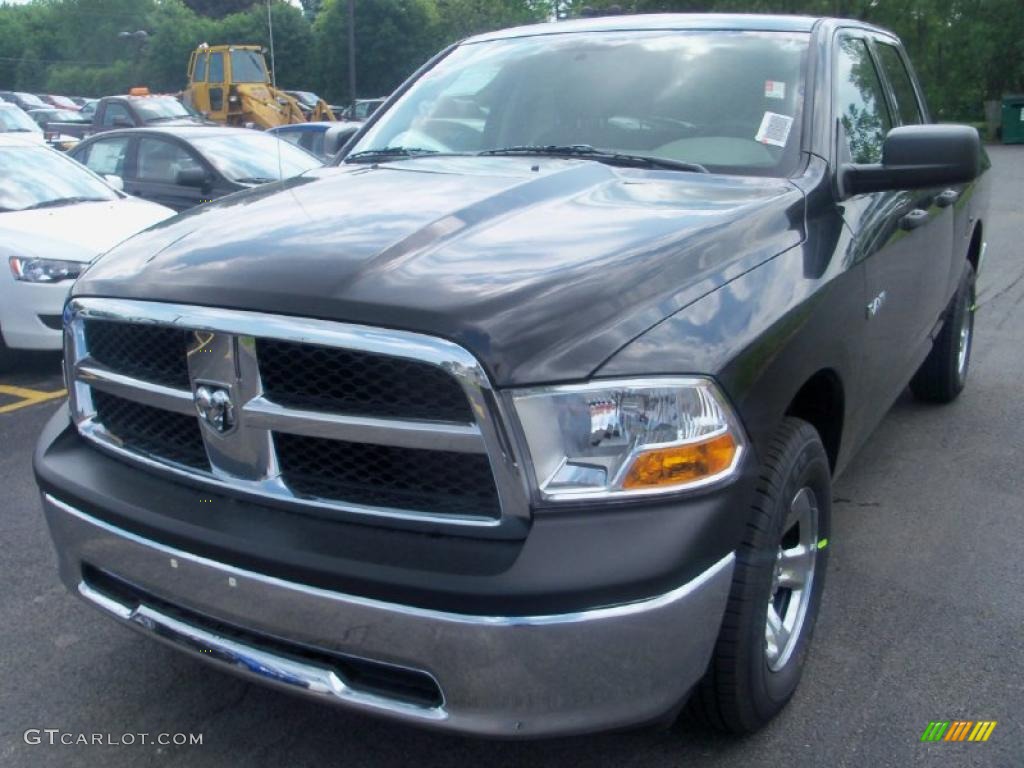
[943, 374]
[776, 590]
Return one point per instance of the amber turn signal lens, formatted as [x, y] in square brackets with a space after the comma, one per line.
[681, 463]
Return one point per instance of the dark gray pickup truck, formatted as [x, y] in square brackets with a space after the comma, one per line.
[131, 111]
[522, 419]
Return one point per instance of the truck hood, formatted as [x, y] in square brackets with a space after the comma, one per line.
[543, 268]
[77, 232]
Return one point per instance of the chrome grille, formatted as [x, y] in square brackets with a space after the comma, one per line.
[360, 383]
[364, 441]
[149, 352]
[151, 430]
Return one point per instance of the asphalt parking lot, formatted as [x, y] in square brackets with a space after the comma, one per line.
[923, 617]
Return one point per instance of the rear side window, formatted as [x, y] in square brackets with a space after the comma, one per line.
[113, 112]
[903, 88]
[161, 160]
[107, 156]
[860, 101]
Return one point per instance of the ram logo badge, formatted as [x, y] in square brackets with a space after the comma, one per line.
[215, 407]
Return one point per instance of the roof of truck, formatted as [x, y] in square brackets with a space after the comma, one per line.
[670, 21]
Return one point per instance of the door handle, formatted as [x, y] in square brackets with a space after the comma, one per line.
[947, 198]
[914, 219]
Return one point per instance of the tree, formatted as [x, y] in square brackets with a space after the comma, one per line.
[218, 9]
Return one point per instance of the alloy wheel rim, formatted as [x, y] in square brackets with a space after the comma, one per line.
[966, 331]
[792, 579]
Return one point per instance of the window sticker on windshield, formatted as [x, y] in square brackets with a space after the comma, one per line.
[774, 129]
[774, 89]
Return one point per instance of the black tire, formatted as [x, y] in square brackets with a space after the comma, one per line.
[943, 375]
[6, 356]
[740, 691]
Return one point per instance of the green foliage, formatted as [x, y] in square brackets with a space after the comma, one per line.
[218, 8]
[965, 51]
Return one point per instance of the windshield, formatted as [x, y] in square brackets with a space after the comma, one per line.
[14, 120]
[31, 99]
[247, 67]
[35, 177]
[307, 98]
[253, 157]
[160, 109]
[64, 116]
[729, 101]
[64, 101]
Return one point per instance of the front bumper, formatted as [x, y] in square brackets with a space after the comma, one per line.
[22, 309]
[506, 676]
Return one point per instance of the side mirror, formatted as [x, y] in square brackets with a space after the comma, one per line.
[916, 156]
[115, 181]
[122, 122]
[192, 177]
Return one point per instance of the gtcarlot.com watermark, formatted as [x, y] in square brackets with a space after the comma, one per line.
[56, 737]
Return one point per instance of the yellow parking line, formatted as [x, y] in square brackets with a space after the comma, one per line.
[27, 397]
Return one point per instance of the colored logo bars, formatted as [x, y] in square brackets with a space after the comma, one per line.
[958, 730]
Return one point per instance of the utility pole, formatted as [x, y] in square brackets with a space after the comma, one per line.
[352, 50]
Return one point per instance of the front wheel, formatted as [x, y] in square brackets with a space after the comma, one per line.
[777, 587]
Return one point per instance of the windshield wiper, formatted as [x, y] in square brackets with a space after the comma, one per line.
[602, 156]
[65, 201]
[369, 154]
[256, 179]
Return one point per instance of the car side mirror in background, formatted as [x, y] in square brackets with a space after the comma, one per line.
[122, 122]
[916, 156]
[115, 181]
[192, 177]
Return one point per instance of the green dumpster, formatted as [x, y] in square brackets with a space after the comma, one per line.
[1013, 119]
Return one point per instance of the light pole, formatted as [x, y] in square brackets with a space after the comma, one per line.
[352, 51]
[139, 37]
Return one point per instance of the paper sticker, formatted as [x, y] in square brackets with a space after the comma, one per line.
[774, 89]
[774, 129]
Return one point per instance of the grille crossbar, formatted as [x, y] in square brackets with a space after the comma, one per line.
[365, 442]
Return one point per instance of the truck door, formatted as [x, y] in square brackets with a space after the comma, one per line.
[199, 92]
[896, 234]
[943, 275]
[217, 88]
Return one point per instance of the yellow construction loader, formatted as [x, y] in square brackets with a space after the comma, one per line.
[230, 84]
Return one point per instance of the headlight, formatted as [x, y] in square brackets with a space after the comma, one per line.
[44, 270]
[630, 437]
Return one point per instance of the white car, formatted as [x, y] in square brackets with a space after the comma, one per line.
[55, 217]
[14, 121]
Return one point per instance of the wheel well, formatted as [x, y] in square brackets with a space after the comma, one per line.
[820, 402]
[974, 252]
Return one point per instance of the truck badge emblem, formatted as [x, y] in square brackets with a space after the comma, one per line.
[215, 407]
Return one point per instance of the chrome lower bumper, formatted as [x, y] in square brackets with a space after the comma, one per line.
[501, 676]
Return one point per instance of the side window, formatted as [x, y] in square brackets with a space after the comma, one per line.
[216, 68]
[107, 156]
[199, 74]
[902, 86]
[113, 112]
[860, 101]
[160, 161]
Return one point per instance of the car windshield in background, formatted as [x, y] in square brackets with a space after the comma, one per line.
[31, 100]
[729, 101]
[65, 116]
[13, 120]
[36, 177]
[254, 157]
[247, 67]
[156, 109]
